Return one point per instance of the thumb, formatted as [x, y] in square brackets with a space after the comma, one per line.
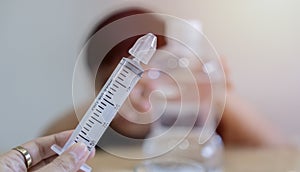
[70, 160]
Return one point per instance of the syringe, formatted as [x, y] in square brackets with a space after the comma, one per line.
[111, 97]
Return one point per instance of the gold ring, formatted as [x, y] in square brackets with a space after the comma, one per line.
[26, 155]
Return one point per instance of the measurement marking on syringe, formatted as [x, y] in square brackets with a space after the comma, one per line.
[98, 110]
[96, 120]
[108, 102]
[123, 75]
[120, 78]
[91, 121]
[83, 132]
[107, 96]
[100, 107]
[89, 125]
[110, 93]
[127, 68]
[83, 138]
[125, 71]
[103, 103]
[96, 114]
[121, 84]
[113, 89]
[86, 129]
[115, 86]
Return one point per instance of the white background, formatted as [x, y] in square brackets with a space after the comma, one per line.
[39, 42]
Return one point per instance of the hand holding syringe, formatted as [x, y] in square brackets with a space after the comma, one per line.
[111, 97]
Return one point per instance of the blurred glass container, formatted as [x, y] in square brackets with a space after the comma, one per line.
[186, 106]
[186, 155]
[175, 145]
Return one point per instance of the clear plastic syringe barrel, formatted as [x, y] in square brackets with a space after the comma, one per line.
[105, 106]
[111, 97]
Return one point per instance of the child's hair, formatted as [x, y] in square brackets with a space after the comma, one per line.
[120, 50]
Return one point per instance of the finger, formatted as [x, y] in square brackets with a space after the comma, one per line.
[43, 163]
[92, 154]
[40, 148]
[71, 160]
[12, 161]
[50, 159]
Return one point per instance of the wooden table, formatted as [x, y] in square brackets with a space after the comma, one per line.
[235, 160]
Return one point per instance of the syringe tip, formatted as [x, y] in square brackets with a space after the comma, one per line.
[144, 48]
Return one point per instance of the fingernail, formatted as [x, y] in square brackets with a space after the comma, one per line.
[80, 150]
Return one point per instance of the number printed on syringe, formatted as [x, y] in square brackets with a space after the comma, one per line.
[112, 96]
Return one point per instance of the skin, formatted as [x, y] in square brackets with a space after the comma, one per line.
[44, 159]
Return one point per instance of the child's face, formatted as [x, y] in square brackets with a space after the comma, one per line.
[159, 90]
